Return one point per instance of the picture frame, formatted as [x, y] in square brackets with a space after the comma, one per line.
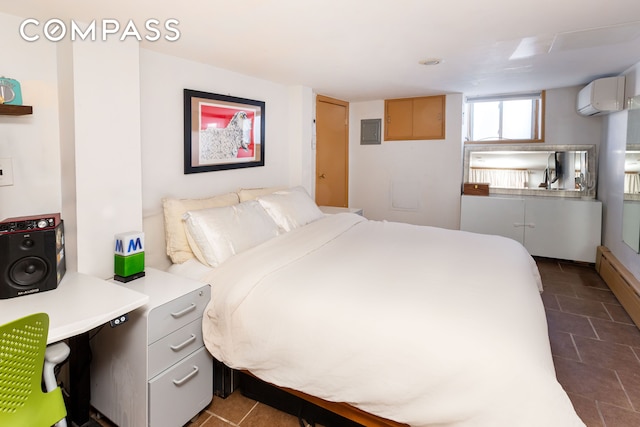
[222, 132]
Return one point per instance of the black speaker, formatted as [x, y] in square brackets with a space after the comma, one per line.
[31, 261]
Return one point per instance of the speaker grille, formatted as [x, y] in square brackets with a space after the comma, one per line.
[28, 271]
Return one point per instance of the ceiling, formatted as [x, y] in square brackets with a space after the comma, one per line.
[359, 50]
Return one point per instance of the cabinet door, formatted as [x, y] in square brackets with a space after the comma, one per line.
[493, 215]
[399, 118]
[428, 117]
[563, 229]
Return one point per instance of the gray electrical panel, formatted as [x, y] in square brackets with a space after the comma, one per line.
[370, 130]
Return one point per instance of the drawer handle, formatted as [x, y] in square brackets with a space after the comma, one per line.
[185, 311]
[179, 347]
[187, 377]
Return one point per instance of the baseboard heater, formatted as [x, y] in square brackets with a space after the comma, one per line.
[622, 283]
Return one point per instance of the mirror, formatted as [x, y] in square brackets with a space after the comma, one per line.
[540, 169]
[631, 204]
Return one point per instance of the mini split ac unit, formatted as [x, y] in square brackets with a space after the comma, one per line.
[601, 96]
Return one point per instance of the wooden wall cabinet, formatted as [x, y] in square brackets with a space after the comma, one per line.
[415, 118]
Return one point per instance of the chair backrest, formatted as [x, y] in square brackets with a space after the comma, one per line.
[23, 344]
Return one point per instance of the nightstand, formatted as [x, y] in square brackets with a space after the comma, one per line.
[153, 369]
[336, 209]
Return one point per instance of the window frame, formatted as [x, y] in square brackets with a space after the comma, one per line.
[538, 121]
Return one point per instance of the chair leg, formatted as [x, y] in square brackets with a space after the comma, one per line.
[55, 354]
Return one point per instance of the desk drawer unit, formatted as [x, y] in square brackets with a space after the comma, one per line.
[154, 370]
[181, 391]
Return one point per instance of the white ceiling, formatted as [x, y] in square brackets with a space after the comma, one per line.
[360, 50]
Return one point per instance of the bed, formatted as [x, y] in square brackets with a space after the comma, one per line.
[419, 325]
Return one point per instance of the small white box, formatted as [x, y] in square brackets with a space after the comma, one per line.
[129, 243]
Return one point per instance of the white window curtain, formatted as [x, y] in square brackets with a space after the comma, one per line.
[632, 182]
[503, 178]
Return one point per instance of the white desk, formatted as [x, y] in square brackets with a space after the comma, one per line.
[79, 304]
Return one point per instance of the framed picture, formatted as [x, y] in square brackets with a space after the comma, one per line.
[222, 132]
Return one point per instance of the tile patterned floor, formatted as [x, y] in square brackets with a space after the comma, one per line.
[236, 411]
[595, 346]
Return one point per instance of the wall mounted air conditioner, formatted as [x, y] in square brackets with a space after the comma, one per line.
[601, 96]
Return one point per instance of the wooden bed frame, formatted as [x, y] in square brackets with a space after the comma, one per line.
[343, 410]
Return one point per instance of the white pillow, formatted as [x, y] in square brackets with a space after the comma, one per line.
[178, 247]
[216, 234]
[291, 208]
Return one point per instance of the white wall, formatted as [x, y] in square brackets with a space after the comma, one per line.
[114, 113]
[611, 184]
[425, 174]
[428, 174]
[301, 137]
[162, 80]
[77, 93]
[107, 190]
[409, 181]
[66, 121]
[563, 125]
[31, 141]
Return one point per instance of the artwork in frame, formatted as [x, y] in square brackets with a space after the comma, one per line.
[222, 132]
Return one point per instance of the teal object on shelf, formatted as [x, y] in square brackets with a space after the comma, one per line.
[10, 91]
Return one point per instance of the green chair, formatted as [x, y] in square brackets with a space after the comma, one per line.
[23, 344]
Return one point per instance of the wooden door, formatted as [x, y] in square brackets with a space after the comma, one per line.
[332, 152]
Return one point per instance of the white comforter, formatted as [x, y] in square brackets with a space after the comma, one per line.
[422, 325]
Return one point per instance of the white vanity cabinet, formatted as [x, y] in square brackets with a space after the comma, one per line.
[153, 369]
[554, 227]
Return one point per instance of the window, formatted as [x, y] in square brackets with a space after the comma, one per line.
[506, 118]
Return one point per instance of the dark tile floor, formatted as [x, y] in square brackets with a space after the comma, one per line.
[236, 410]
[595, 346]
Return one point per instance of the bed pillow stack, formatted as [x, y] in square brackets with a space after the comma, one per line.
[212, 230]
